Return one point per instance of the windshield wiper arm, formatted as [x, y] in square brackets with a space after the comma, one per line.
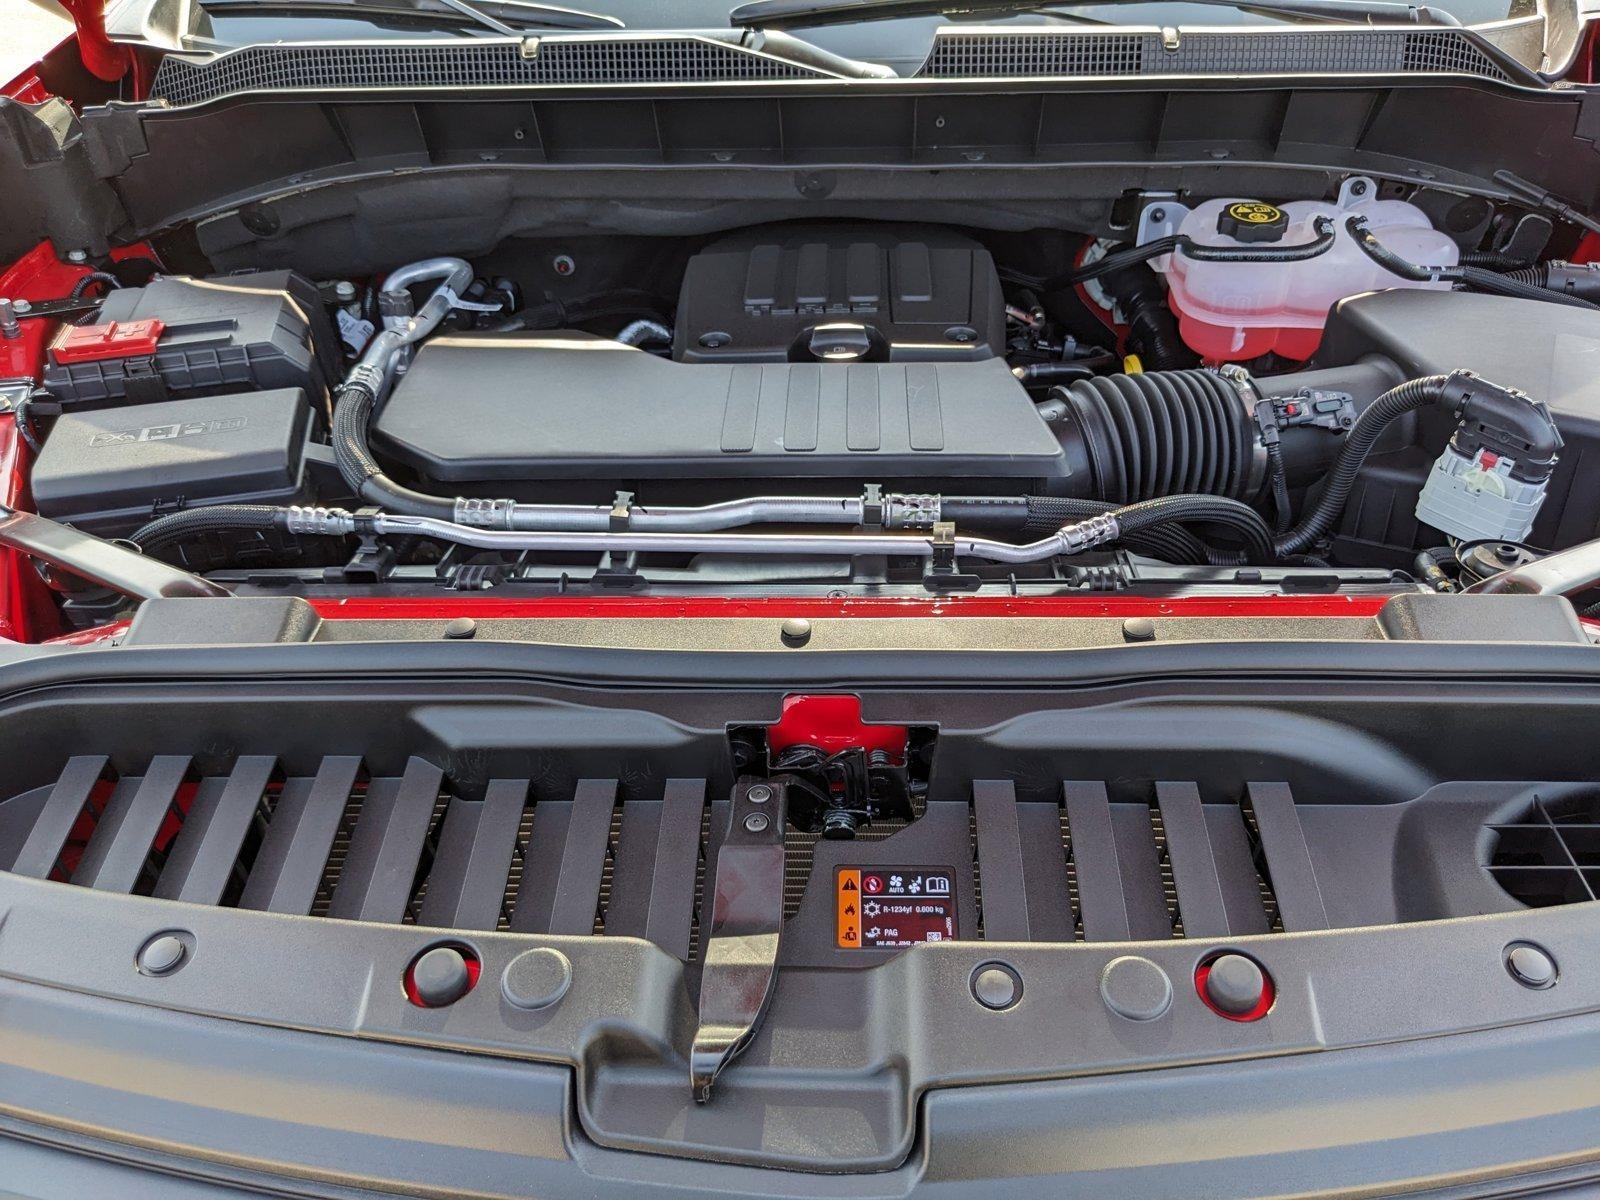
[511, 18]
[776, 14]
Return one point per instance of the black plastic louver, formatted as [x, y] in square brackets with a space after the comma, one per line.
[327, 838]
[1551, 854]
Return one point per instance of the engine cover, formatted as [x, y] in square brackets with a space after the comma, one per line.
[477, 407]
[840, 292]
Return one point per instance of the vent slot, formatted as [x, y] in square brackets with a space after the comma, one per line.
[400, 66]
[1551, 854]
[972, 54]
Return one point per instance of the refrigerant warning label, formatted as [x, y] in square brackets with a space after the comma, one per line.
[885, 908]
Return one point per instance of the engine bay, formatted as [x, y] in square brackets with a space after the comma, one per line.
[1356, 390]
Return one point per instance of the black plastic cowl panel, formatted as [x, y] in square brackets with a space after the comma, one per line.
[1335, 752]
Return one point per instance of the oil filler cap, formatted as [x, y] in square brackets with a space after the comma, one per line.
[1253, 221]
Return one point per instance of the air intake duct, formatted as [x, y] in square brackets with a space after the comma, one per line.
[1129, 438]
[1136, 437]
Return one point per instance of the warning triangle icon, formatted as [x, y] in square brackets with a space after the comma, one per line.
[849, 885]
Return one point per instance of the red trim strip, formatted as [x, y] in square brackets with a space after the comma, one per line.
[424, 608]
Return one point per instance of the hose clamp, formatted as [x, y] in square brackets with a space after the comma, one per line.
[480, 512]
[365, 375]
[1249, 397]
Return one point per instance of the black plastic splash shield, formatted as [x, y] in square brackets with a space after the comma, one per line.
[1377, 766]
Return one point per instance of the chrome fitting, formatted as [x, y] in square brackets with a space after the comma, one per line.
[318, 520]
[483, 513]
[1090, 532]
[913, 511]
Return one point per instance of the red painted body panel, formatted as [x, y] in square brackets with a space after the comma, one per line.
[776, 608]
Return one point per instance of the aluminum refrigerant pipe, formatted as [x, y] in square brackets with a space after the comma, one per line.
[377, 361]
[1071, 539]
[897, 511]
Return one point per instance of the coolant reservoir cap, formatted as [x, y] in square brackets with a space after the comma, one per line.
[1253, 221]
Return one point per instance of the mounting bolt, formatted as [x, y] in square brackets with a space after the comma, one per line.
[758, 793]
[344, 291]
[715, 340]
[461, 629]
[10, 327]
[756, 823]
[796, 631]
[1158, 215]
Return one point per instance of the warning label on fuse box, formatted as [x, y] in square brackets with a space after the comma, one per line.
[886, 908]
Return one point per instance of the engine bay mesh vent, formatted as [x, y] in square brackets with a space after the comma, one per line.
[401, 65]
[1551, 854]
[966, 54]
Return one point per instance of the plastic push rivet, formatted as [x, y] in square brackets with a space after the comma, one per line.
[1530, 966]
[796, 631]
[996, 986]
[1235, 984]
[757, 822]
[440, 977]
[536, 978]
[1138, 629]
[759, 793]
[461, 628]
[1135, 988]
[162, 955]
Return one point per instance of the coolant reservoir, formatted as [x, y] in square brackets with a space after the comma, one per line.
[1232, 311]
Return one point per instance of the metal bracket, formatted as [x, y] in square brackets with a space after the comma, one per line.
[741, 954]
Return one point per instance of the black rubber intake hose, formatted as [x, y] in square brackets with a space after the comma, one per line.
[1363, 435]
[1041, 515]
[1320, 244]
[1157, 525]
[1516, 284]
[1161, 433]
[1581, 280]
[191, 522]
[1152, 328]
[352, 411]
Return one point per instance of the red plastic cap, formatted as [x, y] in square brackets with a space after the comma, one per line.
[118, 339]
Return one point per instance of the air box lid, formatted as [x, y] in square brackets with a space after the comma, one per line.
[573, 406]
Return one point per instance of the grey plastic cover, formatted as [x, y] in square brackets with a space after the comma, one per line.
[572, 406]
